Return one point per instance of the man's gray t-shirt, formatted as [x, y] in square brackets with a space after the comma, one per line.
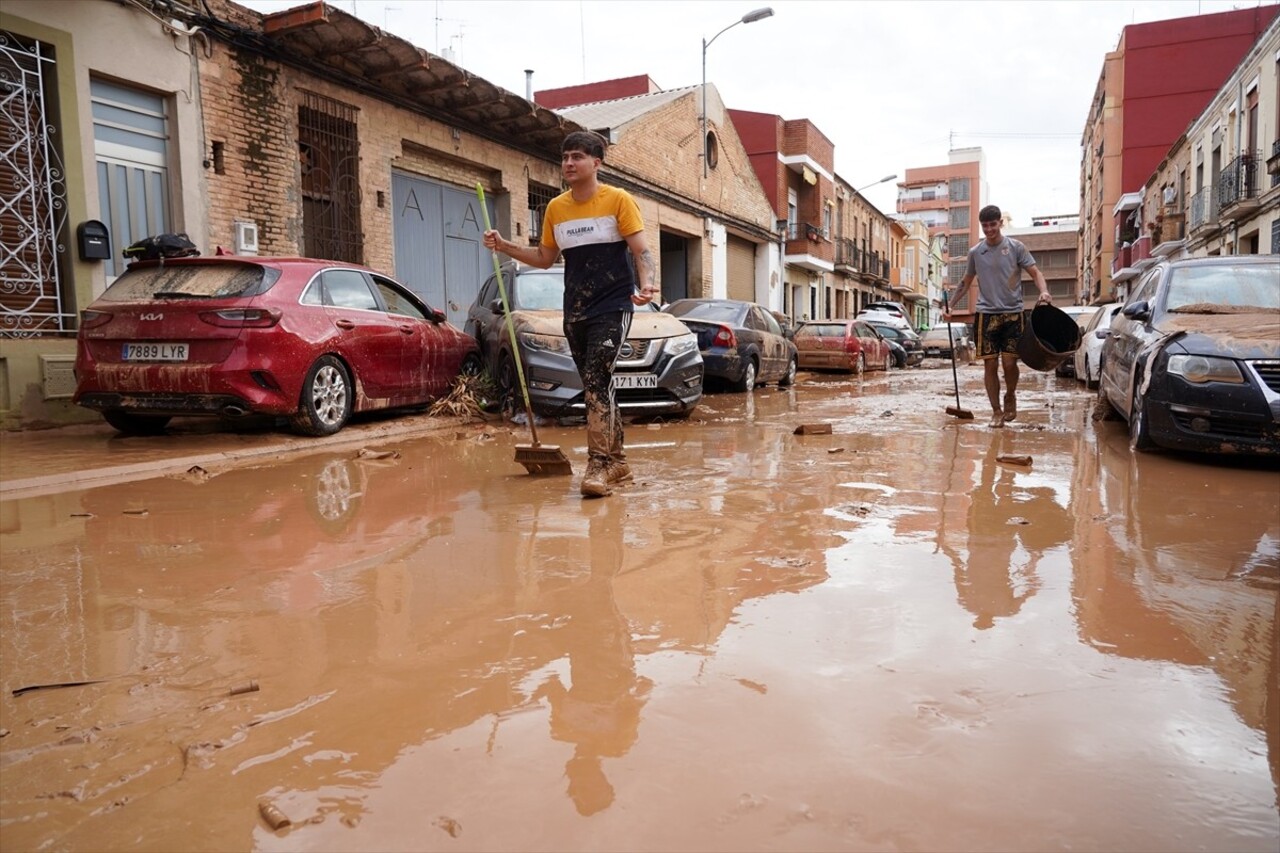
[999, 271]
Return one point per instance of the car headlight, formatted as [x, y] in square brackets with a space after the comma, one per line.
[681, 345]
[545, 343]
[1204, 368]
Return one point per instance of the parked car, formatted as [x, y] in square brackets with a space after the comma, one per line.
[850, 345]
[784, 322]
[937, 343]
[311, 340]
[741, 343]
[1082, 314]
[1193, 359]
[907, 341]
[1088, 356]
[659, 371]
[890, 313]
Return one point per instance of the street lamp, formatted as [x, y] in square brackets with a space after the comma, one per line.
[749, 18]
[876, 183]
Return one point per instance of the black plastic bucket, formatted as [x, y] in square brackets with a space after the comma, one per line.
[1050, 337]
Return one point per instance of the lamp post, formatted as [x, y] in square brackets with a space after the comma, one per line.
[749, 18]
[885, 179]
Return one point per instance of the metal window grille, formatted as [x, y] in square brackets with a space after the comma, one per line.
[959, 217]
[33, 204]
[958, 245]
[959, 189]
[329, 157]
[539, 196]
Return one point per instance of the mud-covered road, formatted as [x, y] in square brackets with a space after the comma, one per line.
[884, 638]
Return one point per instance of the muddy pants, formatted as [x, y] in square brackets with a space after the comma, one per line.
[595, 343]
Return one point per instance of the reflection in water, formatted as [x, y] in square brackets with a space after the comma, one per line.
[599, 713]
[1010, 527]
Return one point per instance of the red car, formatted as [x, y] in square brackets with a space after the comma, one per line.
[229, 336]
[849, 345]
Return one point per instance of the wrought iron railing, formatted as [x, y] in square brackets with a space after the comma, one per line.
[1203, 209]
[846, 253]
[1239, 181]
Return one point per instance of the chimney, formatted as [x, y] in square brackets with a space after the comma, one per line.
[528, 84]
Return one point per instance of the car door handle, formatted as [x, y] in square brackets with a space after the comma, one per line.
[344, 324]
[406, 329]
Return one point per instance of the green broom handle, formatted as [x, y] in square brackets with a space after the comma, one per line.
[506, 311]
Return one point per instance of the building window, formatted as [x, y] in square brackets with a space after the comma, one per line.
[131, 151]
[959, 189]
[956, 270]
[329, 157]
[539, 196]
[957, 245]
[959, 217]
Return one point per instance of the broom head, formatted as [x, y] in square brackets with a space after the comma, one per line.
[543, 459]
[962, 414]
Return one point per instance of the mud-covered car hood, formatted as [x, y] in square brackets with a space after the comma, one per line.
[1238, 334]
[645, 325]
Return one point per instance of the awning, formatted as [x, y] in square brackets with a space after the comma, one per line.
[333, 42]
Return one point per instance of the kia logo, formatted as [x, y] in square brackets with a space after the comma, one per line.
[626, 351]
[146, 317]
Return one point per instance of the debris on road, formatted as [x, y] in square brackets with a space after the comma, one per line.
[813, 429]
[240, 689]
[32, 687]
[375, 455]
[1014, 460]
[275, 818]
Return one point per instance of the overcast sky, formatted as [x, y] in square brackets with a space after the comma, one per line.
[892, 84]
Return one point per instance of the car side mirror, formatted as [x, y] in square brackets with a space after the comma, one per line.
[1140, 311]
[496, 306]
[437, 316]
[1102, 334]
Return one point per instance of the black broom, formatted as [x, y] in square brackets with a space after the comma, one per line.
[537, 458]
[955, 411]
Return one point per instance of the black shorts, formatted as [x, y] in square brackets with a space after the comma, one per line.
[997, 333]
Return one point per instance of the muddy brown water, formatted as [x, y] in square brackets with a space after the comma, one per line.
[881, 638]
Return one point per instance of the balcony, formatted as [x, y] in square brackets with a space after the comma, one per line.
[1140, 250]
[1273, 162]
[808, 248]
[1202, 212]
[1122, 260]
[846, 255]
[1238, 187]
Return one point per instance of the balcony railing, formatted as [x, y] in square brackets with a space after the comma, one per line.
[1122, 259]
[804, 231]
[847, 253]
[1239, 181]
[1203, 210]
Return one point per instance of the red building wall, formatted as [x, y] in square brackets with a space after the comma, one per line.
[1171, 70]
[590, 93]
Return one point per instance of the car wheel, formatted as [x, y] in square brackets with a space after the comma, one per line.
[1139, 428]
[789, 378]
[133, 424]
[887, 359]
[748, 382]
[1102, 408]
[1089, 381]
[471, 366]
[326, 398]
[860, 368]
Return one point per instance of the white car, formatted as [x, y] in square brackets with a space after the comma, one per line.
[1082, 314]
[889, 313]
[1088, 357]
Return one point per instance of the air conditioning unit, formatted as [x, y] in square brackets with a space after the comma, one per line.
[246, 238]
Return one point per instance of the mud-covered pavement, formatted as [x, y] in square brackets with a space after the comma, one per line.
[882, 638]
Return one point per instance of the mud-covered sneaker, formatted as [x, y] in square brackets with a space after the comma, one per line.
[997, 420]
[595, 482]
[1010, 407]
[617, 471]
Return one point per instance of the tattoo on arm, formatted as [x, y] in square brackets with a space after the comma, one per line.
[648, 271]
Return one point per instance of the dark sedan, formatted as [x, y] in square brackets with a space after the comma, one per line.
[1193, 359]
[307, 339]
[741, 342]
[908, 341]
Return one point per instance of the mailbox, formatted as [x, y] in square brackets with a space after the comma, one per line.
[95, 242]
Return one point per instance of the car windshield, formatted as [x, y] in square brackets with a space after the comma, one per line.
[821, 330]
[715, 312]
[1224, 289]
[195, 281]
[540, 291]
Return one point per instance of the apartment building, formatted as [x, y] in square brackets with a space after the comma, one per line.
[1160, 76]
[946, 199]
[916, 276]
[1052, 241]
[1217, 190]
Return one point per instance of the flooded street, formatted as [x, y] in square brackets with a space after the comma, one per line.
[879, 639]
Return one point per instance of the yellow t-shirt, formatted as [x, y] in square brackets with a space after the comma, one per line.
[599, 273]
